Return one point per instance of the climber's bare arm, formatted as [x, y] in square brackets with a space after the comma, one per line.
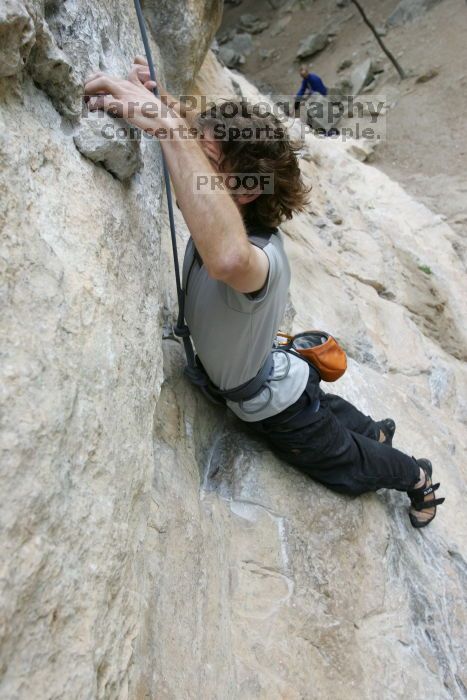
[214, 221]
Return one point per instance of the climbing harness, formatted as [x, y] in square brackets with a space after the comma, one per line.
[194, 370]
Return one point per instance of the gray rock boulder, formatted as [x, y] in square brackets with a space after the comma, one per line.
[241, 43]
[361, 76]
[253, 24]
[408, 10]
[311, 45]
[231, 58]
[183, 31]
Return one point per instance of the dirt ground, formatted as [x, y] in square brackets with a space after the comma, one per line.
[426, 130]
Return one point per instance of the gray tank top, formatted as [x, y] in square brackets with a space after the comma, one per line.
[233, 332]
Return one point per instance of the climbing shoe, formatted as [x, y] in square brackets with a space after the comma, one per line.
[418, 497]
[388, 428]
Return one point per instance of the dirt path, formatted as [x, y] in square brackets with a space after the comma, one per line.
[426, 145]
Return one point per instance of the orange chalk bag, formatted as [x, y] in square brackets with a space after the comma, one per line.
[319, 349]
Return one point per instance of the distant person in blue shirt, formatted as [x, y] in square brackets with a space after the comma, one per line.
[310, 83]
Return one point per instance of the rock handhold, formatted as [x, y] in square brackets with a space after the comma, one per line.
[312, 44]
[98, 140]
[17, 36]
[253, 24]
[52, 71]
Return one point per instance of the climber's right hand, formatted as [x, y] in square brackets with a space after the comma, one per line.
[140, 75]
[141, 60]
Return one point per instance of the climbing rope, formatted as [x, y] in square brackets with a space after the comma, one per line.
[193, 370]
[181, 329]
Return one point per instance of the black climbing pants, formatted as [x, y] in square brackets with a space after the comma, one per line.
[337, 444]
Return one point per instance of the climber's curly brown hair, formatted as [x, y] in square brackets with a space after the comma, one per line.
[254, 140]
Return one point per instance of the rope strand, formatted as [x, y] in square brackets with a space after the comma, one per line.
[181, 328]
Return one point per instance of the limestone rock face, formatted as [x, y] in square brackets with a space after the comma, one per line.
[150, 546]
[82, 311]
[17, 36]
[183, 31]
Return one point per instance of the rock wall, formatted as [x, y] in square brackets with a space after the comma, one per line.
[151, 548]
[83, 293]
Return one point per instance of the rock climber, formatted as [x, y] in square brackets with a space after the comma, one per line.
[236, 278]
